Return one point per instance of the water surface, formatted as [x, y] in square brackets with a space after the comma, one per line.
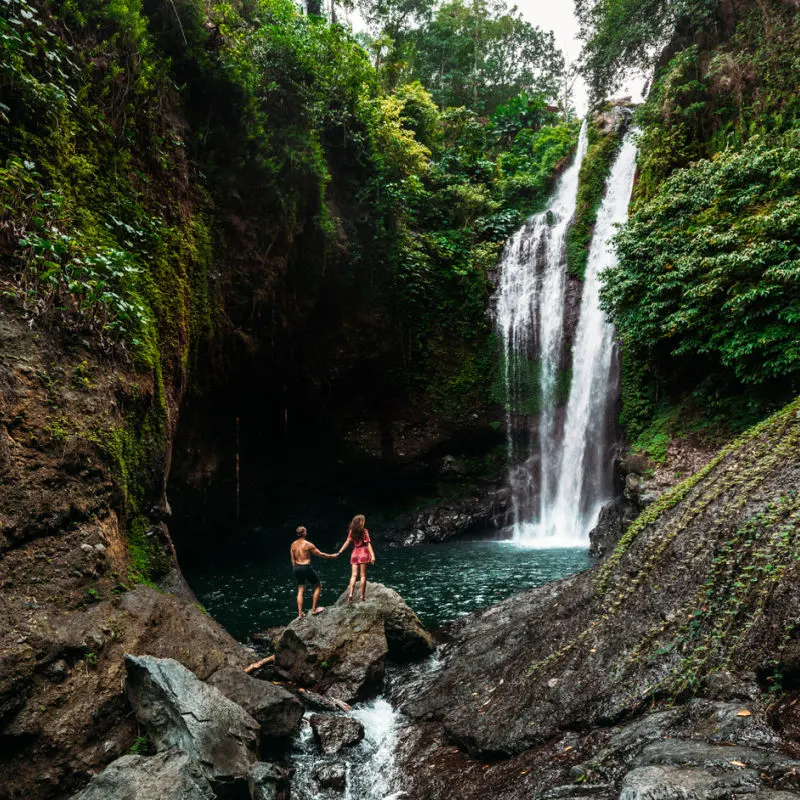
[440, 582]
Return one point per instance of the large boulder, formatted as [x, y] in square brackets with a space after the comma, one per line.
[277, 711]
[333, 734]
[171, 775]
[178, 710]
[340, 652]
[405, 635]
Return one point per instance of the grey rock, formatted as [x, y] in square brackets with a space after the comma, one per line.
[648, 498]
[171, 775]
[679, 752]
[267, 782]
[317, 702]
[686, 783]
[723, 685]
[178, 710]
[721, 722]
[572, 791]
[614, 120]
[341, 652]
[608, 530]
[87, 548]
[277, 711]
[58, 671]
[627, 740]
[636, 463]
[330, 776]
[333, 734]
[406, 637]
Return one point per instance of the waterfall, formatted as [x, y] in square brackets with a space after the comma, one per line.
[530, 310]
[561, 468]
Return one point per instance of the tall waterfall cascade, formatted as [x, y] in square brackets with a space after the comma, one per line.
[561, 464]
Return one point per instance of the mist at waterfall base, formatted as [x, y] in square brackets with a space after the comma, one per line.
[251, 591]
[561, 454]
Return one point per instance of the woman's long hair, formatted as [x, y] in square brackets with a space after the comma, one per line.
[356, 530]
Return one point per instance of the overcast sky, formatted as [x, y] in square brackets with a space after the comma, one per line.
[559, 16]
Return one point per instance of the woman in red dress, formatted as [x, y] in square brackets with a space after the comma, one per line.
[363, 554]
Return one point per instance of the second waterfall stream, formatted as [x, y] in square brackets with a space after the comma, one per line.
[560, 452]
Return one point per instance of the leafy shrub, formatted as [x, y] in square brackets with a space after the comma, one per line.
[708, 276]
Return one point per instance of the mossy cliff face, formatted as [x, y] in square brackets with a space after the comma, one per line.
[701, 588]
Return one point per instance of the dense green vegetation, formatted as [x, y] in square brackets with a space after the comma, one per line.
[171, 170]
[600, 154]
[473, 53]
[705, 295]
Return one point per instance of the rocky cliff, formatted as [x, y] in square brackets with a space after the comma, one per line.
[696, 601]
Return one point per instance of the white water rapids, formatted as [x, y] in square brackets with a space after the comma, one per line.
[370, 772]
[560, 472]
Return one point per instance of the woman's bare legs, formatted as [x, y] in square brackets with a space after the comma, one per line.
[363, 581]
[353, 576]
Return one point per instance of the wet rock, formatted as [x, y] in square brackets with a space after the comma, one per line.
[482, 510]
[574, 792]
[267, 782]
[406, 637]
[680, 783]
[614, 120]
[277, 711]
[648, 498]
[678, 752]
[178, 710]
[628, 740]
[171, 775]
[317, 702]
[333, 734]
[330, 776]
[608, 530]
[340, 652]
[735, 722]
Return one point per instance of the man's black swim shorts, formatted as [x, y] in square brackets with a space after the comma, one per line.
[304, 573]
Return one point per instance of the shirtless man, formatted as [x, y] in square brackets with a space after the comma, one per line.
[301, 552]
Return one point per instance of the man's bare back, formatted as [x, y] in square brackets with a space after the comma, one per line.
[302, 551]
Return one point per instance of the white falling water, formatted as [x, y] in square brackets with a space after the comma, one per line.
[561, 485]
[370, 772]
[530, 311]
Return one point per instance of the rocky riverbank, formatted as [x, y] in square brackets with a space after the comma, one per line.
[692, 616]
[228, 736]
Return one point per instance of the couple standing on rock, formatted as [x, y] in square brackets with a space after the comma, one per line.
[302, 550]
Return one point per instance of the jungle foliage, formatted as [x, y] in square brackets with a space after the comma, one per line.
[474, 53]
[706, 291]
[167, 167]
